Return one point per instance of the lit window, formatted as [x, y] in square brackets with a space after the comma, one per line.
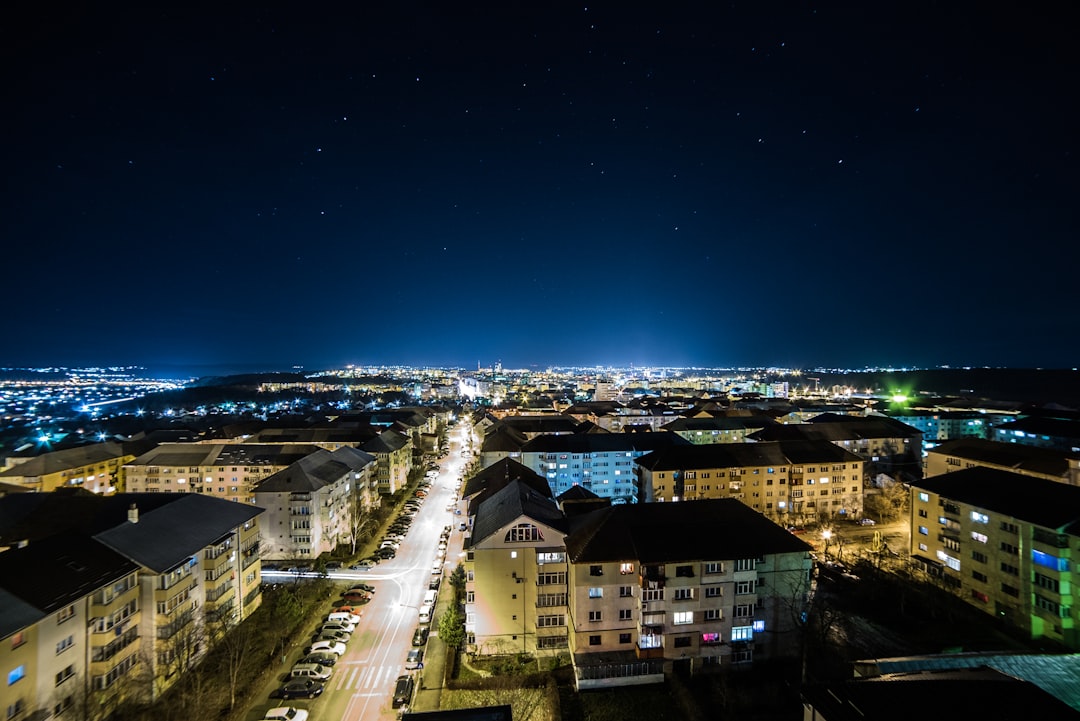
[683, 617]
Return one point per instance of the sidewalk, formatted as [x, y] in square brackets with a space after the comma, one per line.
[429, 680]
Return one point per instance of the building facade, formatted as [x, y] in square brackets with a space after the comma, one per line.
[787, 481]
[1005, 544]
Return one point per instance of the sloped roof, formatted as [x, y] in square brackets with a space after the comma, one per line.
[963, 692]
[719, 529]
[16, 614]
[737, 455]
[499, 475]
[1056, 674]
[1047, 461]
[604, 442]
[555, 423]
[515, 500]
[502, 439]
[169, 534]
[719, 423]
[1043, 502]
[54, 572]
[59, 461]
[386, 442]
[1052, 427]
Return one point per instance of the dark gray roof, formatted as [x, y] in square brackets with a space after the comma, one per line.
[832, 427]
[1052, 427]
[54, 572]
[58, 461]
[604, 442]
[16, 614]
[1047, 461]
[737, 455]
[169, 534]
[515, 500]
[500, 438]
[386, 442]
[719, 423]
[1032, 499]
[969, 693]
[314, 471]
[717, 529]
[1057, 674]
[541, 424]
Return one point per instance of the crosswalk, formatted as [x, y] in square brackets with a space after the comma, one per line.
[362, 677]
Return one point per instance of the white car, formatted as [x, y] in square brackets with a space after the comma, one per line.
[286, 713]
[334, 647]
[436, 568]
[339, 625]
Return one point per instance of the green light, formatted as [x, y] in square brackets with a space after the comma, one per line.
[899, 398]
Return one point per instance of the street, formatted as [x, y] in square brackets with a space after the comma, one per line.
[362, 684]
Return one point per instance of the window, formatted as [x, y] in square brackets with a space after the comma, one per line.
[1010, 569]
[684, 571]
[683, 641]
[65, 613]
[18, 639]
[64, 644]
[710, 638]
[744, 610]
[625, 614]
[742, 633]
[596, 592]
[596, 616]
[745, 564]
[684, 594]
[924, 497]
[594, 640]
[596, 570]
[65, 674]
[713, 567]
[744, 587]
[16, 674]
[626, 591]
[624, 638]
[923, 531]
[683, 617]
[556, 619]
[979, 537]
[714, 591]
[981, 577]
[978, 556]
[523, 532]
[713, 614]
[625, 568]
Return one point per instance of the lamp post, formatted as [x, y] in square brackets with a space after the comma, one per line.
[826, 535]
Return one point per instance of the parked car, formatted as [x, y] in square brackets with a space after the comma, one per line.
[414, 659]
[403, 690]
[299, 688]
[362, 587]
[386, 553]
[866, 522]
[419, 637]
[333, 565]
[343, 626]
[323, 659]
[286, 713]
[436, 568]
[356, 597]
[328, 635]
[326, 646]
[350, 609]
[315, 671]
[366, 565]
[343, 617]
[433, 584]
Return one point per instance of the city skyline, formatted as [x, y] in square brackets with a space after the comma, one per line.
[698, 186]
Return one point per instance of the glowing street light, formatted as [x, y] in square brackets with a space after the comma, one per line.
[826, 535]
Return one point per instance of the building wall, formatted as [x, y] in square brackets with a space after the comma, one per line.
[1022, 574]
[608, 474]
[229, 483]
[794, 494]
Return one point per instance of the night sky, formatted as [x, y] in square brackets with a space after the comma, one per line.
[441, 183]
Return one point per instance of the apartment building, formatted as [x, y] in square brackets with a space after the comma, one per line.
[1002, 542]
[1059, 433]
[314, 504]
[786, 481]
[94, 467]
[229, 471]
[69, 628]
[629, 592]
[191, 569]
[600, 462]
[718, 429]
[887, 445]
[1049, 463]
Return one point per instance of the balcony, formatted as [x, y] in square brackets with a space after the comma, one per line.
[652, 577]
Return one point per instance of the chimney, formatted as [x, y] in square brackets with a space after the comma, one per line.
[133, 513]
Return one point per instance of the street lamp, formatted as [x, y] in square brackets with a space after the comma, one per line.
[826, 535]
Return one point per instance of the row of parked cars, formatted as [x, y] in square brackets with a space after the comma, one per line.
[328, 643]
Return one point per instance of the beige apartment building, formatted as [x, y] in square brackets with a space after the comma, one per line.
[786, 481]
[129, 591]
[229, 471]
[630, 592]
[315, 504]
[961, 453]
[95, 468]
[1004, 543]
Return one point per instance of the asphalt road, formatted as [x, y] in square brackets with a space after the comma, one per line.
[362, 684]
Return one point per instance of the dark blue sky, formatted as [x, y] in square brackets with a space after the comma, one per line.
[759, 183]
